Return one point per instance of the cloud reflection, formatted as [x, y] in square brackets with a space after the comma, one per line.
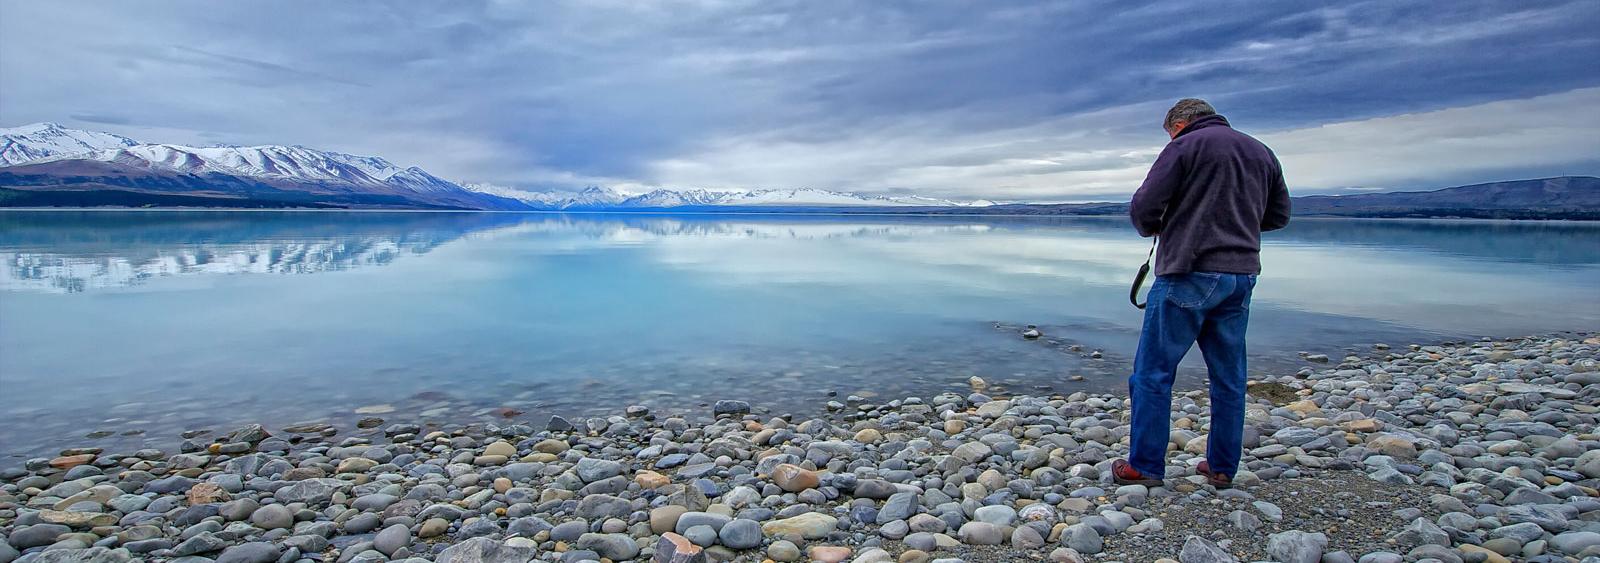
[1435, 276]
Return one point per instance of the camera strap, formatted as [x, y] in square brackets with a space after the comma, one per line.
[1144, 272]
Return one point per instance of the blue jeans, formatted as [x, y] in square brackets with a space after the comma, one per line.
[1213, 309]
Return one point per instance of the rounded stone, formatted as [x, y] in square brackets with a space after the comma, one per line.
[923, 541]
[568, 531]
[500, 448]
[391, 539]
[981, 533]
[783, 550]
[37, 535]
[272, 517]
[999, 515]
[665, 519]
[363, 523]
[433, 527]
[253, 552]
[927, 523]
[794, 478]
[828, 553]
[702, 535]
[741, 534]
[811, 525]
[615, 547]
[1083, 539]
[1027, 537]
[708, 519]
[1573, 543]
[895, 530]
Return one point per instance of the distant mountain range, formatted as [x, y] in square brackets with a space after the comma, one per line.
[48, 165]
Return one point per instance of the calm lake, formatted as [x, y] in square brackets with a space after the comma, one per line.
[142, 325]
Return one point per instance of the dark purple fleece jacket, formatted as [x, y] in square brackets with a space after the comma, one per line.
[1209, 195]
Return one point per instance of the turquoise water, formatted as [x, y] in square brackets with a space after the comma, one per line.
[146, 324]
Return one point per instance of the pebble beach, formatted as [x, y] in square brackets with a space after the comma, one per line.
[1480, 451]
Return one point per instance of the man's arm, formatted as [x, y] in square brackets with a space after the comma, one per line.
[1277, 215]
[1160, 185]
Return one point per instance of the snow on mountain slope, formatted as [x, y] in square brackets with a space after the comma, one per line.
[525, 196]
[45, 143]
[594, 196]
[271, 162]
[798, 197]
[590, 198]
[678, 198]
[924, 200]
[504, 191]
[43, 140]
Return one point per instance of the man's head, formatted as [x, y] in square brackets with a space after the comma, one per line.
[1185, 112]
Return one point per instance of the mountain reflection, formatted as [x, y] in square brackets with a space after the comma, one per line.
[70, 252]
[79, 251]
[71, 274]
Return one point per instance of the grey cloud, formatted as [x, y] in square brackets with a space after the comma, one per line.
[276, 71]
[104, 119]
[985, 100]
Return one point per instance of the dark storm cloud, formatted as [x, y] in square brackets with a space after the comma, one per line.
[1018, 100]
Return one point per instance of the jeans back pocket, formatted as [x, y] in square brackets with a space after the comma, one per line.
[1192, 290]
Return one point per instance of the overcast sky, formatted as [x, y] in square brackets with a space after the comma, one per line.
[1013, 101]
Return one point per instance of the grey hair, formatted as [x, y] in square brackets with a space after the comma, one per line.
[1187, 110]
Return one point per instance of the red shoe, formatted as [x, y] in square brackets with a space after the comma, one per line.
[1124, 474]
[1217, 480]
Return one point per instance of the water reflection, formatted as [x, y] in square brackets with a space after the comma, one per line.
[71, 252]
[168, 321]
[1552, 243]
[68, 252]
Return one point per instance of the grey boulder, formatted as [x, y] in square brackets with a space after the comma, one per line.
[253, 552]
[486, 550]
[1295, 546]
[741, 534]
[1200, 550]
[391, 539]
[616, 547]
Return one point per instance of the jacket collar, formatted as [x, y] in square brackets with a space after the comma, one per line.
[1212, 120]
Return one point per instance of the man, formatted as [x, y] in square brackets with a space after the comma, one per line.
[1209, 195]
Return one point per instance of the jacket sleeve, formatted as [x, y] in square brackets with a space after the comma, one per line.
[1158, 190]
[1277, 215]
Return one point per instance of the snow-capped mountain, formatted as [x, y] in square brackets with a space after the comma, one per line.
[269, 162]
[592, 197]
[43, 157]
[678, 198]
[77, 167]
[510, 193]
[44, 140]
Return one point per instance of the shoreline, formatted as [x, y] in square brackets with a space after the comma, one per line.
[1121, 216]
[422, 408]
[1450, 451]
